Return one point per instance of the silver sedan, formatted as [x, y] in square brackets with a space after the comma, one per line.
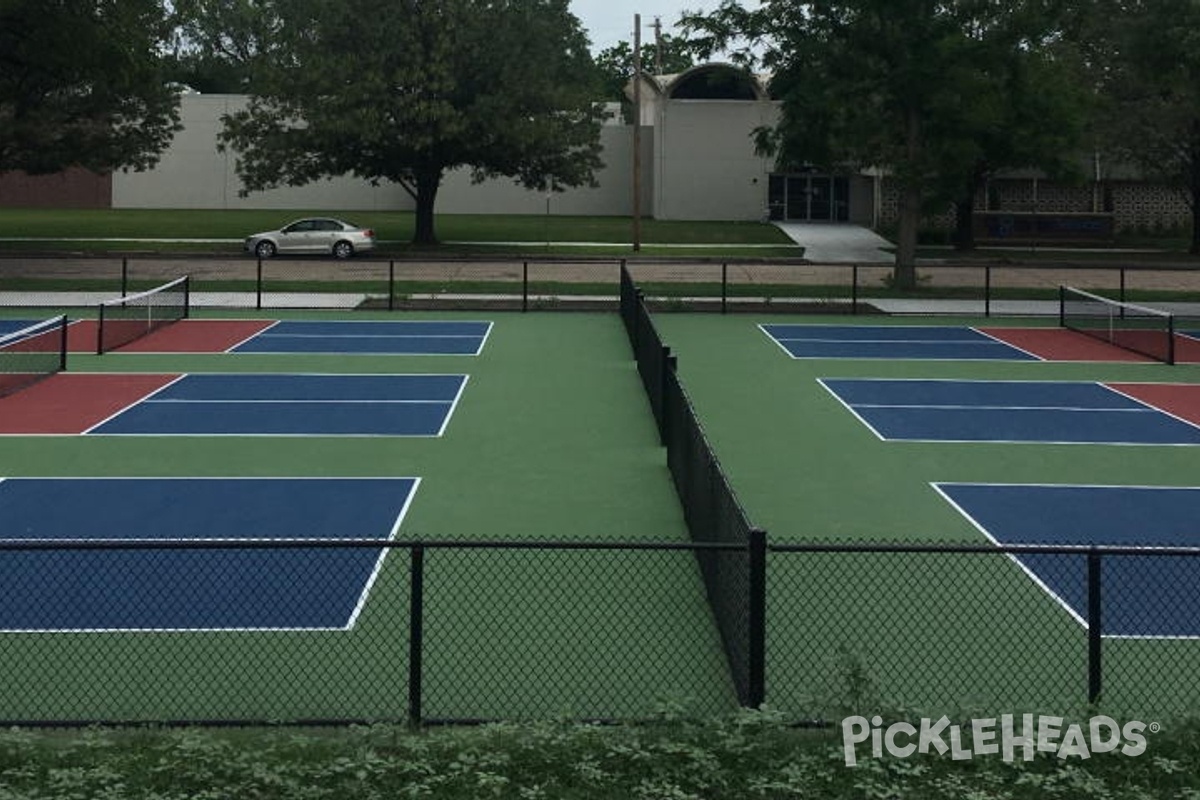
[313, 235]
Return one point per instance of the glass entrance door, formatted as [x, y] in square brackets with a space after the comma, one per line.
[817, 198]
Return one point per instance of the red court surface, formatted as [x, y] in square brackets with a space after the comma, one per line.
[1060, 344]
[71, 403]
[1177, 399]
[185, 336]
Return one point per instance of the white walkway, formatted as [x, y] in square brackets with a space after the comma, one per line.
[838, 243]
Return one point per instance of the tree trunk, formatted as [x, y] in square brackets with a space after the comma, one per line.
[964, 223]
[904, 276]
[428, 180]
[1195, 248]
[964, 210]
[1194, 187]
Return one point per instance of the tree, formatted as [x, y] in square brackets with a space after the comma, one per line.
[217, 41]
[406, 90]
[898, 84]
[1029, 109]
[82, 84]
[1151, 83]
[667, 56]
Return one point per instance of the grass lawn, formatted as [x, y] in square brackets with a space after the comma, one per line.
[394, 229]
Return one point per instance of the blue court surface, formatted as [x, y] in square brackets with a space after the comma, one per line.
[1058, 412]
[1143, 596]
[297, 405]
[382, 337]
[8, 326]
[892, 342]
[148, 589]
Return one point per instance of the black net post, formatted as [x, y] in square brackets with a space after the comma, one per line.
[100, 329]
[987, 290]
[124, 276]
[1094, 623]
[258, 285]
[392, 285]
[854, 289]
[62, 347]
[187, 296]
[1171, 340]
[416, 632]
[724, 287]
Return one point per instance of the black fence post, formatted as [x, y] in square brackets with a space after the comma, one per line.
[756, 686]
[1094, 622]
[258, 287]
[416, 632]
[392, 285]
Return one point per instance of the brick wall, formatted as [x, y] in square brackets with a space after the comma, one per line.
[73, 188]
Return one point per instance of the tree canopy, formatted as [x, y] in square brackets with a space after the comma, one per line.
[406, 90]
[667, 56]
[82, 83]
[1148, 70]
[929, 91]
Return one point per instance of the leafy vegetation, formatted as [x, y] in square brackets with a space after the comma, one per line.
[748, 755]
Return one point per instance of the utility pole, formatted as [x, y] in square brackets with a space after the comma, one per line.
[658, 67]
[637, 133]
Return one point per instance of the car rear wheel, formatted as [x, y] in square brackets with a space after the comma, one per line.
[264, 249]
[343, 249]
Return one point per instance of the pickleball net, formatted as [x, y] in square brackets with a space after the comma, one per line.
[1139, 329]
[127, 319]
[32, 353]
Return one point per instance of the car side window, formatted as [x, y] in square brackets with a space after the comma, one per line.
[328, 225]
[299, 227]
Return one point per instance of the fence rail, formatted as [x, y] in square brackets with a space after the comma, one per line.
[560, 283]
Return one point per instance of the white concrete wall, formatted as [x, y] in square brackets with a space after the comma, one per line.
[613, 196]
[193, 174]
[704, 161]
[698, 162]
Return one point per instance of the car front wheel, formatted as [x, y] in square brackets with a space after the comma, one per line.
[343, 249]
[264, 249]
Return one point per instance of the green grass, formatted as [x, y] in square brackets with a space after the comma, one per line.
[394, 229]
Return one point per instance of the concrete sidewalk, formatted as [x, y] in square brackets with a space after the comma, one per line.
[838, 243]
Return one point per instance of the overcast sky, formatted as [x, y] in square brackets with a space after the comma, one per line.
[610, 21]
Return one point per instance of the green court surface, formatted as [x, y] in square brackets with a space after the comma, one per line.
[905, 629]
[551, 440]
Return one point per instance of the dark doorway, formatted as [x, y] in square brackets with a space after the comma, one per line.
[819, 198]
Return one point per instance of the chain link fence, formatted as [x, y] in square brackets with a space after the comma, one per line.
[260, 631]
[562, 283]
